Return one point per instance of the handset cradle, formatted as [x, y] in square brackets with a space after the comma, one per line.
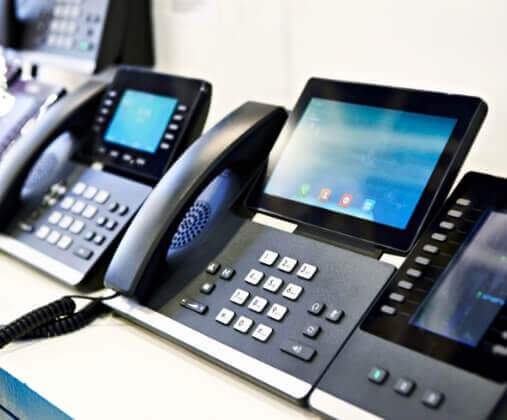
[244, 134]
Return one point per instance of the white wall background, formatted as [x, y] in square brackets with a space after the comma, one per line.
[265, 50]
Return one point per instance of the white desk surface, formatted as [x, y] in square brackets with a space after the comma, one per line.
[114, 369]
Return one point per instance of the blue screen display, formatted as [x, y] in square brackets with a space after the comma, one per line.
[368, 162]
[140, 120]
[469, 295]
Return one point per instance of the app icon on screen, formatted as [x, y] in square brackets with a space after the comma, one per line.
[368, 204]
[304, 190]
[324, 194]
[346, 200]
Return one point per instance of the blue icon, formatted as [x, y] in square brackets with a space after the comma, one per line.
[368, 204]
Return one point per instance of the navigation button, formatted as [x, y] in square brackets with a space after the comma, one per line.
[298, 350]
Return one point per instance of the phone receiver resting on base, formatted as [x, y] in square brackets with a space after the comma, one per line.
[242, 139]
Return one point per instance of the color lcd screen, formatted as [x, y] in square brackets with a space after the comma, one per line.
[472, 290]
[140, 120]
[369, 162]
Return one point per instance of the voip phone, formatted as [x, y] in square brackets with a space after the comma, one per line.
[82, 35]
[434, 343]
[65, 202]
[356, 166]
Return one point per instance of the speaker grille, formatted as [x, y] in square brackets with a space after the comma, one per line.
[192, 224]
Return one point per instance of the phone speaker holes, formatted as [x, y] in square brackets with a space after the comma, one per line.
[192, 225]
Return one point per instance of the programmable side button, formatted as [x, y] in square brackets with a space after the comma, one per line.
[307, 271]
[431, 249]
[422, 261]
[412, 272]
[239, 296]
[298, 350]
[193, 305]
[456, 214]
[378, 375]
[404, 386]
[287, 264]
[396, 297]
[439, 237]
[243, 324]
[292, 291]
[388, 310]
[277, 312]
[254, 277]
[225, 316]
[262, 332]
[258, 304]
[447, 225]
[464, 202]
[405, 285]
[268, 257]
[272, 284]
[432, 398]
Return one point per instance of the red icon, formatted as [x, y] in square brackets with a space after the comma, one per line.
[346, 200]
[324, 195]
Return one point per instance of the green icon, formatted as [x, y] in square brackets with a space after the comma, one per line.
[304, 190]
[377, 374]
[84, 45]
[503, 258]
[479, 294]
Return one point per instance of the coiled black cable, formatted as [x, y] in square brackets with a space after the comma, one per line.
[56, 318]
[36, 318]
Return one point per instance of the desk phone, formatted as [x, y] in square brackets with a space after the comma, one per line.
[434, 344]
[356, 166]
[76, 193]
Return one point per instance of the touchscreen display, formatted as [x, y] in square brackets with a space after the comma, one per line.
[140, 120]
[472, 290]
[368, 162]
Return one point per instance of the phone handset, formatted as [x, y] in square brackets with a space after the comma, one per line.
[242, 139]
[67, 113]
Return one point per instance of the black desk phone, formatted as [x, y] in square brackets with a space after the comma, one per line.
[69, 188]
[356, 166]
[82, 35]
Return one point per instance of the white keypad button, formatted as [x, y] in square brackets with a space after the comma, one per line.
[262, 332]
[307, 271]
[89, 211]
[258, 304]
[268, 257]
[243, 324]
[54, 217]
[67, 203]
[102, 196]
[65, 242]
[90, 192]
[53, 237]
[42, 232]
[254, 277]
[292, 291]
[77, 227]
[277, 312]
[66, 221]
[272, 284]
[78, 207]
[240, 296]
[225, 316]
[79, 188]
[287, 264]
